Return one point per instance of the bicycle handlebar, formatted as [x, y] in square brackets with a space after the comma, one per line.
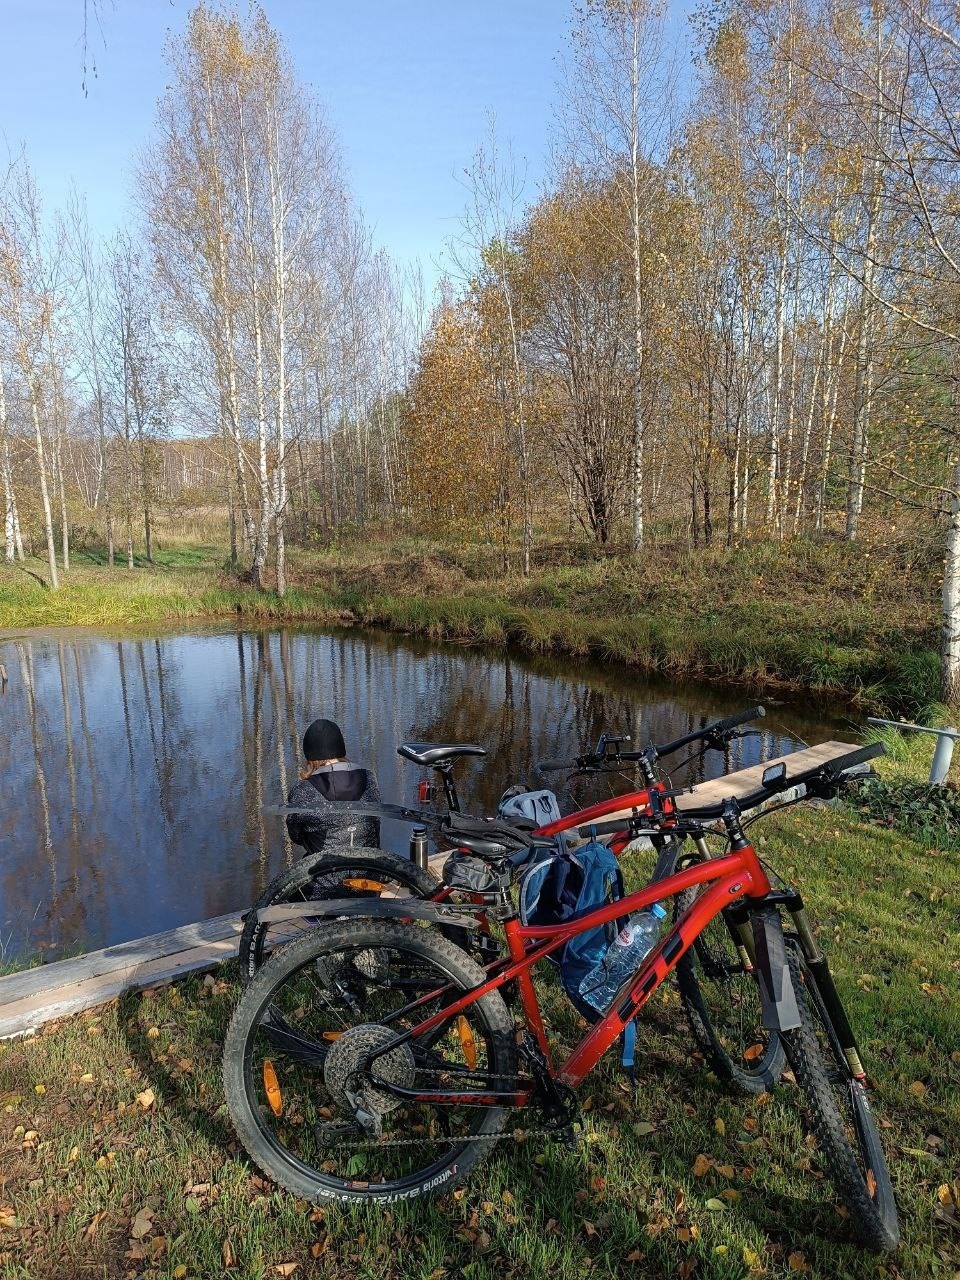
[715, 730]
[827, 776]
[556, 766]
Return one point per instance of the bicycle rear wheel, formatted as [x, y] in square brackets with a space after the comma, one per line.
[841, 1117]
[310, 1057]
[350, 873]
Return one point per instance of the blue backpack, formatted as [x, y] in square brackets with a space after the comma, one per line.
[567, 883]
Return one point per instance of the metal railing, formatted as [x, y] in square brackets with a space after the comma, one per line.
[942, 752]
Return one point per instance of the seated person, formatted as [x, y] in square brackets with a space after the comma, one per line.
[328, 781]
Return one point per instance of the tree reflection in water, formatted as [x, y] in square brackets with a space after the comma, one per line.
[134, 771]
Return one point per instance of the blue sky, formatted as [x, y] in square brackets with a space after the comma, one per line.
[407, 84]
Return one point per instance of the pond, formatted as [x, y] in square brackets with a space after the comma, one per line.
[133, 770]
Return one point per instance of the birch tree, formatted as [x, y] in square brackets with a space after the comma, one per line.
[618, 121]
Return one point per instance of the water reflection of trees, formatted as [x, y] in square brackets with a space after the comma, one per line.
[135, 771]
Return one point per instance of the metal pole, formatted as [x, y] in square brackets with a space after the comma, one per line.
[942, 756]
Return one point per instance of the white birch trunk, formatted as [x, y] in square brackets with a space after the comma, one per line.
[863, 396]
[265, 513]
[950, 599]
[44, 487]
[636, 495]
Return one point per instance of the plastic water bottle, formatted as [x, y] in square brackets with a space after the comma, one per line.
[624, 956]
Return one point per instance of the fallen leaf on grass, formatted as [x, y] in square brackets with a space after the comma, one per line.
[8, 1219]
[752, 1259]
[701, 1165]
[944, 1194]
[726, 1170]
[797, 1262]
[39, 1090]
[142, 1224]
[229, 1257]
[720, 1127]
[918, 1088]
[715, 1205]
[91, 1227]
[146, 1099]
[643, 1127]
[286, 1268]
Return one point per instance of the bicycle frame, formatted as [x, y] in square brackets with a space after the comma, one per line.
[733, 877]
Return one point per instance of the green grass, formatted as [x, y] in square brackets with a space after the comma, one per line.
[82, 1157]
[809, 616]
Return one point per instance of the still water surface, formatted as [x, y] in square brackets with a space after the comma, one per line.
[133, 771]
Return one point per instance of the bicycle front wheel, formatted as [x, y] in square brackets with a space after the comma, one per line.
[350, 873]
[721, 998]
[314, 1064]
[841, 1117]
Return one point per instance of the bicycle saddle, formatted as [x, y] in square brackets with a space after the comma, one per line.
[435, 754]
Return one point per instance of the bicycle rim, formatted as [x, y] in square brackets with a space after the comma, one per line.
[369, 875]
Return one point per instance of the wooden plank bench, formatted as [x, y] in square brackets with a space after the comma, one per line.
[34, 996]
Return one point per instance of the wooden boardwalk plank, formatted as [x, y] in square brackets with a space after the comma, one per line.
[34, 996]
[744, 781]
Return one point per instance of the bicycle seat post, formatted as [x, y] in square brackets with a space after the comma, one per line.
[445, 770]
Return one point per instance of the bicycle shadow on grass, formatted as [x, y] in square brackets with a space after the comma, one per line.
[563, 1188]
[175, 1076]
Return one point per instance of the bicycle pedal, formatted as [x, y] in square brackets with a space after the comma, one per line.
[571, 1135]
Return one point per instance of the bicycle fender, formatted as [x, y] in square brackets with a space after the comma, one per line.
[778, 1000]
[370, 909]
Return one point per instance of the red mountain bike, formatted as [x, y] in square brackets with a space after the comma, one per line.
[718, 994]
[400, 1064]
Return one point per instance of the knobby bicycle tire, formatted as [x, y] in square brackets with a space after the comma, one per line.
[317, 877]
[263, 1138]
[840, 1115]
[739, 1050]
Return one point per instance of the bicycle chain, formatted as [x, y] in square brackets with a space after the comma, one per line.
[516, 1135]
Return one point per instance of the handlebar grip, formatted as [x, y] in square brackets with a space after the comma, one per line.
[557, 766]
[742, 717]
[869, 752]
[603, 828]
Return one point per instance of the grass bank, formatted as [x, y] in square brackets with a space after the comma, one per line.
[118, 1159]
[821, 616]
